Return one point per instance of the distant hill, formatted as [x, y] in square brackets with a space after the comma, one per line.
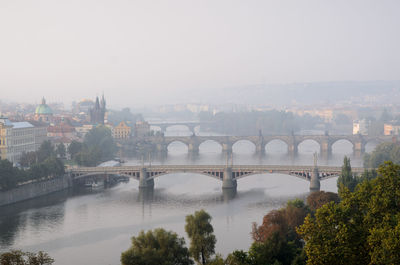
[379, 92]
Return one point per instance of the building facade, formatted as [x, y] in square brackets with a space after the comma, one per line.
[5, 138]
[18, 138]
[121, 131]
[142, 128]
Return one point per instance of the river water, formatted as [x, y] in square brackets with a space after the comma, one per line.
[94, 227]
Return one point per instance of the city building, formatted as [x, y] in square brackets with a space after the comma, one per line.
[19, 137]
[5, 137]
[63, 129]
[391, 129]
[98, 112]
[142, 128]
[81, 131]
[121, 131]
[43, 112]
[40, 132]
[360, 127]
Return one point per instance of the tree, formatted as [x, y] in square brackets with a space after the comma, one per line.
[61, 151]
[28, 159]
[275, 250]
[202, 239]
[346, 179]
[282, 222]
[383, 152]
[99, 139]
[364, 228]
[156, 247]
[9, 175]
[317, 199]
[46, 150]
[17, 257]
[74, 148]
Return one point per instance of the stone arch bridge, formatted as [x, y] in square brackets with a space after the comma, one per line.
[292, 141]
[227, 174]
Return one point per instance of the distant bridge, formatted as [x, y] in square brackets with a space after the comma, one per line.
[191, 125]
[227, 174]
[292, 141]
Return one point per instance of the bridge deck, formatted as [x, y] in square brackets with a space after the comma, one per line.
[194, 168]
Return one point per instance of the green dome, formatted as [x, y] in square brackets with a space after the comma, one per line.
[43, 108]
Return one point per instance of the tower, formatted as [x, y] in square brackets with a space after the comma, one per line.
[98, 111]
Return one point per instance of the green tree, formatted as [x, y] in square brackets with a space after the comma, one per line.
[17, 257]
[46, 150]
[346, 179]
[61, 150]
[8, 175]
[99, 139]
[202, 240]
[28, 159]
[274, 250]
[156, 247]
[363, 228]
[383, 152]
[74, 148]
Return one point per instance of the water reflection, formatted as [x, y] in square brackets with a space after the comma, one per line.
[14, 217]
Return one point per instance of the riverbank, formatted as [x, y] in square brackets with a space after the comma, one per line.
[35, 189]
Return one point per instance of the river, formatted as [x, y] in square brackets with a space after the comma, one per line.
[94, 227]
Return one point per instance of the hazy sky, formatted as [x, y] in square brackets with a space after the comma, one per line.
[141, 52]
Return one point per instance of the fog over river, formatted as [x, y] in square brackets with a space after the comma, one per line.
[94, 227]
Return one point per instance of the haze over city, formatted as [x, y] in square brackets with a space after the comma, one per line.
[150, 52]
[212, 132]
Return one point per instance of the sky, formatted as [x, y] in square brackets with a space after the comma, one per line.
[170, 51]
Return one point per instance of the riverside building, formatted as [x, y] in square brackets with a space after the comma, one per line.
[18, 138]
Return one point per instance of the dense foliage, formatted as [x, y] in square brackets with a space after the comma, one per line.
[319, 198]
[383, 152]
[157, 247]
[251, 123]
[98, 146]
[364, 228]
[17, 257]
[38, 165]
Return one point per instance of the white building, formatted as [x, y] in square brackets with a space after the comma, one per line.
[17, 138]
[360, 127]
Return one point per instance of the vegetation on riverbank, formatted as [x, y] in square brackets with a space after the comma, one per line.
[42, 164]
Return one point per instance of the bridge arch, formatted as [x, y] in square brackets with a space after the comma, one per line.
[246, 146]
[178, 145]
[308, 146]
[342, 146]
[212, 145]
[276, 146]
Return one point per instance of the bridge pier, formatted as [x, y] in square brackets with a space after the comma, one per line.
[227, 148]
[162, 148]
[260, 148]
[228, 182]
[325, 149]
[358, 148]
[314, 181]
[193, 148]
[292, 149]
[144, 181]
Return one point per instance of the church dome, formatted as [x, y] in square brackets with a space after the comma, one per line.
[43, 109]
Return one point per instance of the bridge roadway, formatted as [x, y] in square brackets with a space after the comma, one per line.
[227, 174]
[292, 141]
